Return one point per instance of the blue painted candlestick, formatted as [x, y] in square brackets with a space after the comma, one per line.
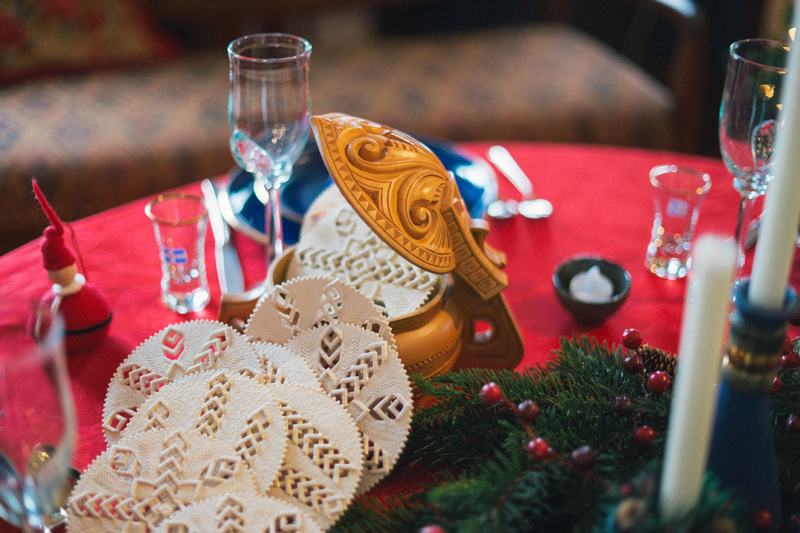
[742, 455]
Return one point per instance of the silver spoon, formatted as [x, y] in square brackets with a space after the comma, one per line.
[530, 206]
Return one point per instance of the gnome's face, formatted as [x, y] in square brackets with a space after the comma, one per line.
[63, 276]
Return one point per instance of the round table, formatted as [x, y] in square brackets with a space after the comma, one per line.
[602, 202]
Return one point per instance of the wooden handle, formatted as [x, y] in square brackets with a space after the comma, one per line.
[490, 336]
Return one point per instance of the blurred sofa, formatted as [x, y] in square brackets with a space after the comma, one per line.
[106, 101]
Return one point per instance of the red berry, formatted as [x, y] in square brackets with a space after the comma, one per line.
[583, 458]
[491, 393]
[538, 449]
[776, 385]
[623, 406]
[631, 338]
[762, 520]
[633, 364]
[433, 528]
[644, 436]
[659, 381]
[528, 411]
[793, 424]
[787, 345]
[791, 361]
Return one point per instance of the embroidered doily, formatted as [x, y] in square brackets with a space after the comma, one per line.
[323, 462]
[240, 513]
[135, 484]
[170, 354]
[363, 372]
[303, 303]
[228, 407]
[334, 241]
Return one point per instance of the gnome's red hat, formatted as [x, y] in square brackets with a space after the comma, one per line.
[55, 254]
[85, 309]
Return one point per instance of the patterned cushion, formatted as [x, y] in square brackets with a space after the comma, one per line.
[97, 141]
[538, 83]
[39, 37]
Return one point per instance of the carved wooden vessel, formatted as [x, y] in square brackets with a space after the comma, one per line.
[405, 195]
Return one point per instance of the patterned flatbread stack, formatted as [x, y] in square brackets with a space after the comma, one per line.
[211, 430]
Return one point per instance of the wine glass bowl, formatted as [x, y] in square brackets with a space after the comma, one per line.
[268, 109]
[748, 119]
[37, 411]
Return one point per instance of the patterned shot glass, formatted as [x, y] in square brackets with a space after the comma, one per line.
[179, 221]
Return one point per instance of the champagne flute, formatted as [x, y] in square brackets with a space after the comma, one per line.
[748, 123]
[37, 414]
[268, 108]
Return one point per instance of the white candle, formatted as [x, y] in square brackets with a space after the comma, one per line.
[705, 317]
[773, 259]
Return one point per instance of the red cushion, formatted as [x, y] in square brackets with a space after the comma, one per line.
[47, 37]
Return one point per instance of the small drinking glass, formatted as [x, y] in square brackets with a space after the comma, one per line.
[268, 108]
[179, 222]
[677, 194]
[36, 412]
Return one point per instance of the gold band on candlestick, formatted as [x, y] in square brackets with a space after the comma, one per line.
[753, 351]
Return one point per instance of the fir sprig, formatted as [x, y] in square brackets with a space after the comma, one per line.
[496, 486]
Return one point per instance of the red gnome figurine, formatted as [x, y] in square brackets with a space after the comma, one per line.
[84, 308]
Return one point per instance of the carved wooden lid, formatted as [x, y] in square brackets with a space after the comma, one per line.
[406, 196]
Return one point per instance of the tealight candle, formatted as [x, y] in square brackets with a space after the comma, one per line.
[591, 286]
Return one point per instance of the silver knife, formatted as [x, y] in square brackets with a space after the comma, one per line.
[229, 269]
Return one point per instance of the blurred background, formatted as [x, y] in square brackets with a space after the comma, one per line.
[635, 29]
[106, 101]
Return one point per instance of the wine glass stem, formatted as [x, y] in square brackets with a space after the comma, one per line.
[273, 228]
[745, 208]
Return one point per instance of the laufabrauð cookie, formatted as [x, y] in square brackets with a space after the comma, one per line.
[281, 365]
[303, 303]
[240, 513]
[142, 480]
[364, 374]
[170, 354]
[323, 463]
[225, 406]
[335, 242]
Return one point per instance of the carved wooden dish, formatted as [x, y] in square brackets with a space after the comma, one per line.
[405, 195]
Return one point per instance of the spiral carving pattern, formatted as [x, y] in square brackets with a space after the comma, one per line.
[406, 196]
[400, 184]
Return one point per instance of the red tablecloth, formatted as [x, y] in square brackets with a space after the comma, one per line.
[603, 205]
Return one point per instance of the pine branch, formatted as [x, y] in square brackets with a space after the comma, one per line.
[576, 392]
[496, 486]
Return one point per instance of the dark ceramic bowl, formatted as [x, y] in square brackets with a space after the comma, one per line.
[588, 312]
